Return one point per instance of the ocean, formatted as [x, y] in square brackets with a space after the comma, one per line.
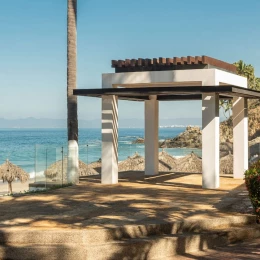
[29, 147]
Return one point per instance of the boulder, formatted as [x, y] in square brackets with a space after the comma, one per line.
[190, 138]
[138, 141]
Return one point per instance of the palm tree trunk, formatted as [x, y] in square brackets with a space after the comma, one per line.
[72, 119]
[72, 70]
[10, 188]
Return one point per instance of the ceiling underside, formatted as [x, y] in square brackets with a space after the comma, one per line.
[170, 93]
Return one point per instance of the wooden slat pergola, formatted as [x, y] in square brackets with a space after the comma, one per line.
[173, 63]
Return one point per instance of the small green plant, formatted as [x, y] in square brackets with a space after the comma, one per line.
[28, 192]
[252, 181]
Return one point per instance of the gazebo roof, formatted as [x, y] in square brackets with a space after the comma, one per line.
[170, 93]
[173, 63]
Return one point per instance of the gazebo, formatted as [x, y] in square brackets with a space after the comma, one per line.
[170, 79]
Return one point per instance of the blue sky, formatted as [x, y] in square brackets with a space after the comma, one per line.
[33, 47]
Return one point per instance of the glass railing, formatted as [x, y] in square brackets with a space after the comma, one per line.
[90, 159]
[50, 165]
[131, 157]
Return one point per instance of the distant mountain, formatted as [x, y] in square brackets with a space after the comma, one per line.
[32, 122]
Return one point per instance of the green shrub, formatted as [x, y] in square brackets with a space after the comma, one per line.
[252, 181]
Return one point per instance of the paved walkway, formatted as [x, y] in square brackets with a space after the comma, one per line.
[248, 250]
[135, 200]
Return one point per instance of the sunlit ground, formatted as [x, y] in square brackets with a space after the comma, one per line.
[135, 200]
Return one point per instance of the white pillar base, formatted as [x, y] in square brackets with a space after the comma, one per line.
[240, 137]
[109, 165]
[151, 136]
[210, 141]
[73, 162]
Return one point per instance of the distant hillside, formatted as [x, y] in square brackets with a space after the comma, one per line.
[32, 122]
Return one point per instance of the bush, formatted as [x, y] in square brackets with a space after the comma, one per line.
[252, 181]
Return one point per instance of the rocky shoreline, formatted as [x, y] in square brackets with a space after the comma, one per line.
[192, 136]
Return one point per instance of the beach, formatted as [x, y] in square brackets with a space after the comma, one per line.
[17, 187]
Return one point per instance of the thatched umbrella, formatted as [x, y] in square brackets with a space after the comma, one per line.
[166, 161]
[55, 170]
[134, 163]
[189, 163]
[10, 172]
[94, 168]
[137, 162]
[226, 164]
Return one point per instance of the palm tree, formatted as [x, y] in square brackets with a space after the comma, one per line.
[72, 119]
[10, 172]
[248, 71]
[241, 66]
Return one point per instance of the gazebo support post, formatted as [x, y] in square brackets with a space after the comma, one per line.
[109, 165]
[240, 137]
[151, 135]
[210, 140]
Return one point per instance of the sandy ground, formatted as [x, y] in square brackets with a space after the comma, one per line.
[135, 200]
[17, 187]
[248, 250]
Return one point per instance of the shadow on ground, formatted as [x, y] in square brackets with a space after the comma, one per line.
[135, 200]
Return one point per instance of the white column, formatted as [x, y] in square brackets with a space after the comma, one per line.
[210, 141]
[109, 165]
[151, 136]
[73, 162]
[240, 137]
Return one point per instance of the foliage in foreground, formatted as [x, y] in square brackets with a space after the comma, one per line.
[252, 181]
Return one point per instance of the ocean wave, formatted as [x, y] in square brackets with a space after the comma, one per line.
[130, 136]
[92, 145]
[125, 142]
[39, 174]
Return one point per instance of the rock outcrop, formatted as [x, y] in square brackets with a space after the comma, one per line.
[226, 131]
[138, 141]
[254, 122]
[191, 138]
[225, 149]
[226, 127]
[226, 164]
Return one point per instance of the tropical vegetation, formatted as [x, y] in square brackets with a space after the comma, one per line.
[252, 181]
[248, 71]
